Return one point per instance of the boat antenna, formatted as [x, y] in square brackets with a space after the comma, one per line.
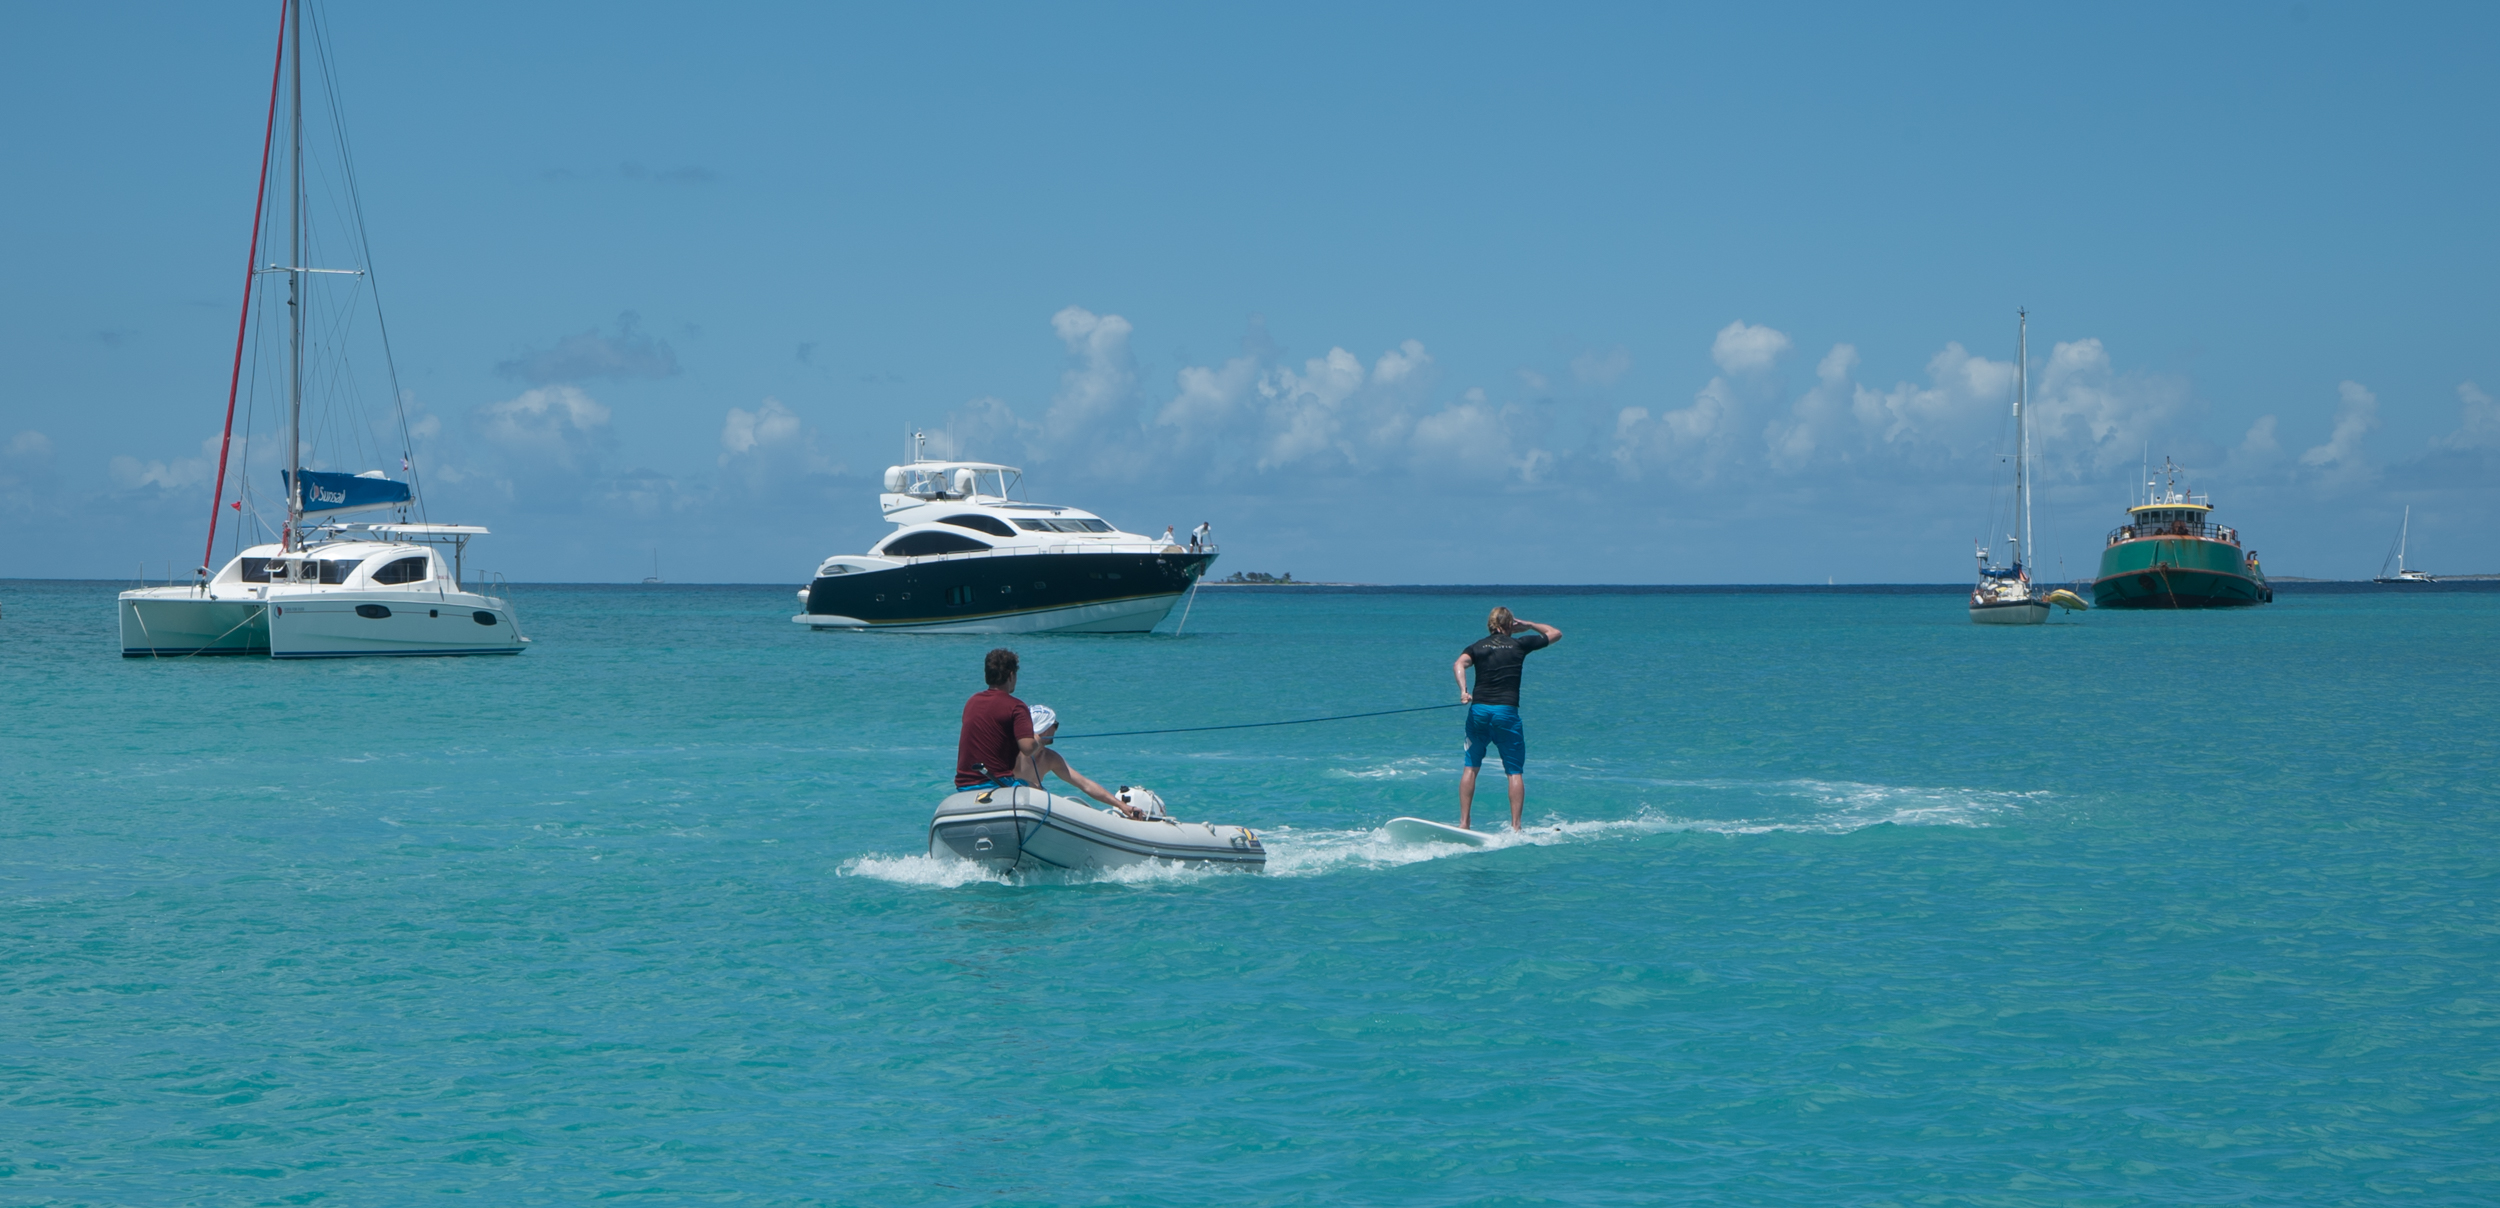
[251, 263]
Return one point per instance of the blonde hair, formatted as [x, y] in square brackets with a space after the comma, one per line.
[1500, 621]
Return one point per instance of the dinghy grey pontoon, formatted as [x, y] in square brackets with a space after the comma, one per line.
[1029, 830]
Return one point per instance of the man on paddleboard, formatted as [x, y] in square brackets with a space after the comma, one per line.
[997, 728]
[1493, 705]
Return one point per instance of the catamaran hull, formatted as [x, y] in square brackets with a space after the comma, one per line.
[1017, 830]
[2010, 612]
[180, 623]
[397, 624]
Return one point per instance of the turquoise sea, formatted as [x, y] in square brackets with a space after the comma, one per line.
[1843, 900]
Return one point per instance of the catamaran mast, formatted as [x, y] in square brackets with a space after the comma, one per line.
[2403, 535]
[2022, 443]
[295, 280]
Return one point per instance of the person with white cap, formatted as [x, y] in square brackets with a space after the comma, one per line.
[1043, 761]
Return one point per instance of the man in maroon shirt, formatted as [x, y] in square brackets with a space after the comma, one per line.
[997, 728]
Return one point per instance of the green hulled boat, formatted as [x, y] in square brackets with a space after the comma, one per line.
[2169, 554]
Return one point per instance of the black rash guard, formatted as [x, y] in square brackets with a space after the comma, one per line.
[1498, 661]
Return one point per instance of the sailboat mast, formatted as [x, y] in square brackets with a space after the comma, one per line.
[2403, 535]
[295, 280]
[2022, 440]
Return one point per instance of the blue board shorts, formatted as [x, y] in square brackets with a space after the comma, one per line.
[1499, 725]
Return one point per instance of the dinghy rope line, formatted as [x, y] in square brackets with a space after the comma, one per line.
[1257, 725]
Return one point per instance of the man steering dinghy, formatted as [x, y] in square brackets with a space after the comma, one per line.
[1001, 816]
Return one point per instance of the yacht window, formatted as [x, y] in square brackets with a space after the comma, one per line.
[982, 524]
[927, 542]
[1095, 526]
[1034, 526]
[256, 570]
[405, 570]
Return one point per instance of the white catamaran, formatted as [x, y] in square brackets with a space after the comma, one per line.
[322, 589]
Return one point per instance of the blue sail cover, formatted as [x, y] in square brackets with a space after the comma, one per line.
[330, 492]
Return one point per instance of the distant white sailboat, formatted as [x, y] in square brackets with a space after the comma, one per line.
[2404, 534]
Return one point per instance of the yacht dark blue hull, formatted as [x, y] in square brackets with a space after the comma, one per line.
[1001, 592]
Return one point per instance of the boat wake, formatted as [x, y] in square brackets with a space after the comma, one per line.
[1713, 807]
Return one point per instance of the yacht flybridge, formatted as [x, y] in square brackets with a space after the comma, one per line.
[323, 588]
[968, 556]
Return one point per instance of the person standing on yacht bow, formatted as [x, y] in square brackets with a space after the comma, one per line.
[997, 729]
[1493, 704]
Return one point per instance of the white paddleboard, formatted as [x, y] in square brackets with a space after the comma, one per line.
[1418, 830]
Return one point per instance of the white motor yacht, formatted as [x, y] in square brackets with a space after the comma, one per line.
[966, 556]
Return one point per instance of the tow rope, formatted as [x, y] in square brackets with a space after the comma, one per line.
[1255, 725]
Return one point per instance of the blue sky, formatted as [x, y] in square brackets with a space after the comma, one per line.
[1423, 294]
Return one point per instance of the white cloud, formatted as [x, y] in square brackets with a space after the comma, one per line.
[770, 451]
[2355, 415]
[2478, 420]
[553, 421]
[30, 443]
[1101, 384]
[768, 424]
[2087, 414]
[1743, 349]
[1819, 415]
[1595, 370]
[1963, 393]
[2260, 445]
[1688, 440]
[130, 473]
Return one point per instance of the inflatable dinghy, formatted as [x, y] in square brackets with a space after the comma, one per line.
[1028, 830]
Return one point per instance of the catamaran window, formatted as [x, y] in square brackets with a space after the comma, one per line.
[256, 570]
[923, 544]
[405, 570]
[335, 570]
[982, 524]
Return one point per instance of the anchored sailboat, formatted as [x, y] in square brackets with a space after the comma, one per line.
[2004, 594]
[323, 589]
[2397, 557]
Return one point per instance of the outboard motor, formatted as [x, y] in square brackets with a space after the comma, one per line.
[1142, 799]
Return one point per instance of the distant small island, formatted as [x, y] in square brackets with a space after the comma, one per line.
[1257, 576]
